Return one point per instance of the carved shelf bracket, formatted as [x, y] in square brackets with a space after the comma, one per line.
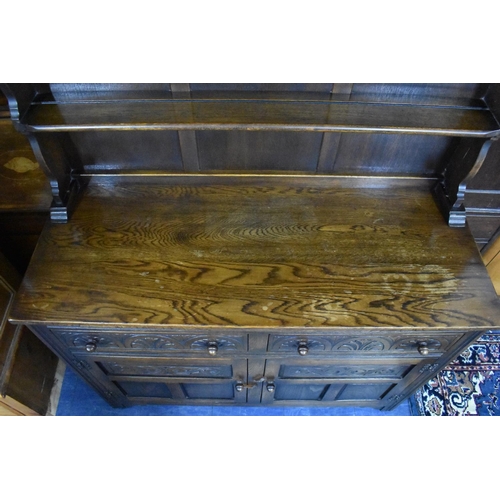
[452, 199]
[54, 152]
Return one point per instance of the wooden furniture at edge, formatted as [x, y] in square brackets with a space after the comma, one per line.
[259, 244]
[27, 366]
[25, 195]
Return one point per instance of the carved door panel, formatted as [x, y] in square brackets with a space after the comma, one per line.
[344, 382]
[176, 381]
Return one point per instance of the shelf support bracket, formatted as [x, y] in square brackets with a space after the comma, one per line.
[54, 152]
[451, 190]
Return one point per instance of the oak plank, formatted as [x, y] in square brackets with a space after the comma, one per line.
[257, 253]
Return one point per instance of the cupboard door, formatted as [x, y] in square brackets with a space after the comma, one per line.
[330, 382]
[148, 380]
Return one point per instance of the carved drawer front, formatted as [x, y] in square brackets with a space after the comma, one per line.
[395, 344]
[96, 341]
[345, 382]
[177, 381]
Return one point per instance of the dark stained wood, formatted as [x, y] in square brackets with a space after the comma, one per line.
[189, 149]
[130, 128]
[257, 253]
[482, 194]
[328, 153]
[492, 98]
[19, 233]
[23, 185]
[345, 382]
[466, 175]
[219, 256]
[27, 367]
[33, 372]
[25, 197]
[255, 114]
[8, 362]
[483, 227]
[486, 183]
[4, 106]
[187, 138]
[426, 370]
[201, 381]
[330, 142]
[19, 98]
[384, 154]
[58, 158]
[258, 151]
[126, 151]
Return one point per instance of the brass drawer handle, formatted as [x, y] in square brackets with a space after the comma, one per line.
[270, 387]
[91, 346]
[423, 348]
[303, 349]
[212, 348]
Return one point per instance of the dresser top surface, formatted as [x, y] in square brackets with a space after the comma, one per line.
[257, 252]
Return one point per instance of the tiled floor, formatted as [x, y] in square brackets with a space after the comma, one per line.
[77, 398]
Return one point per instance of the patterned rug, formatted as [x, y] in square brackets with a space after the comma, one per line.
[470, 385]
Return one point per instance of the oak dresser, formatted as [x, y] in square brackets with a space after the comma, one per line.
[300, 244]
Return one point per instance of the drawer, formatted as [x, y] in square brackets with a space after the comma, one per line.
[97, 341]
[397, 344]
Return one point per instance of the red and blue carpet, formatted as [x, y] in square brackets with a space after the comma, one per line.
[470, 385]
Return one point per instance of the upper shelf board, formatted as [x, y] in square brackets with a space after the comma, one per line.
[258, 114]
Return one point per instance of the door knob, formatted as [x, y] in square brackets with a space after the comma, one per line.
[212, 348]
[303, 349]
[91, 346]
[423, 348]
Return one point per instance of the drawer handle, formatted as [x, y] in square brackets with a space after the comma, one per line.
[423, 348]
[303, 349]
[212, 348]
[91, 346]
[270, 387]
[239, 387]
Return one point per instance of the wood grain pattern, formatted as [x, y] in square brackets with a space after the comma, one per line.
[492, 251]
[257, 253]
[258, 114]
[494, 272]
[491, 258]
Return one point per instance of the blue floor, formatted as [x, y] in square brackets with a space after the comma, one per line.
[79, 399]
